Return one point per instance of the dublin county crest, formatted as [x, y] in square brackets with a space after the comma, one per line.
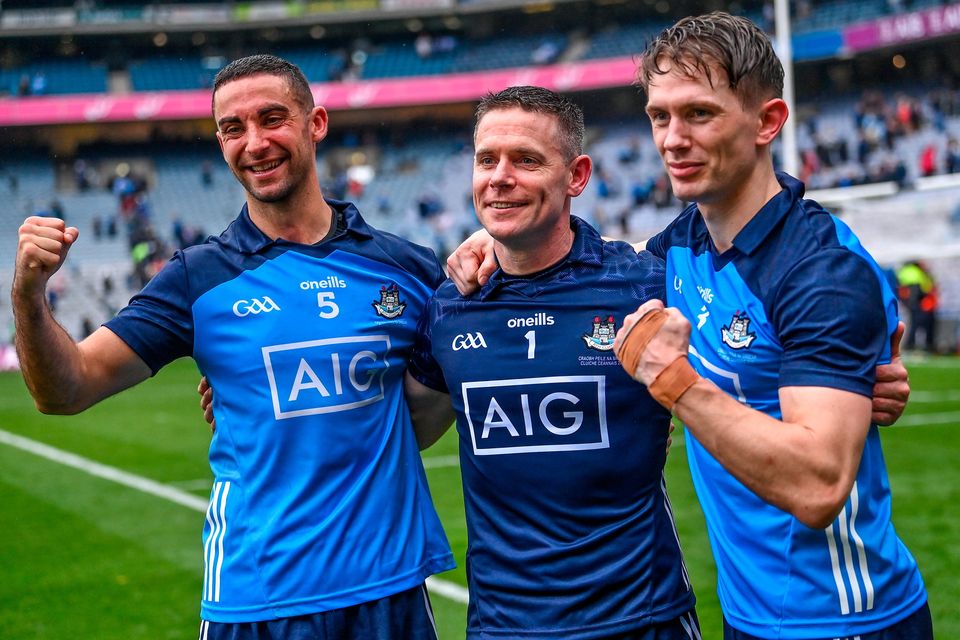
[737, 334]
[604, 331]
[389, 305]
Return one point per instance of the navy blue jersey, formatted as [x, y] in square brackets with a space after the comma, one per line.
[570, 530]
[795, 302]
[319, 499]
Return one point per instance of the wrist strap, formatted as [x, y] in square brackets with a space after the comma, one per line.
[637, 338]
[673, 382]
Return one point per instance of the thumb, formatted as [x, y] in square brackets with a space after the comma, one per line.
[487, 267]
[895, 340]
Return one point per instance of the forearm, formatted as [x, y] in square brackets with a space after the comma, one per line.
[430, 411]
[792, 465]
[49, 358]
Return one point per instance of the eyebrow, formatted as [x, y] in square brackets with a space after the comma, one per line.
[260, 112]
[522, 151]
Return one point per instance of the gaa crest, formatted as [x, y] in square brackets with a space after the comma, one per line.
[737, 334]
[601, 338]
[389, 305]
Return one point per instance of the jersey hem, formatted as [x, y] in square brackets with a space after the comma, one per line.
[790, 630]
[329, 602]
[623, 625]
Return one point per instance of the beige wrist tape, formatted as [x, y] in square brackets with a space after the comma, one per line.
[673, 382]
[637, 338]
[675, 379]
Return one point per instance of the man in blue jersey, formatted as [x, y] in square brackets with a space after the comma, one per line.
[784, 316]
[320, 522]
[571, 534]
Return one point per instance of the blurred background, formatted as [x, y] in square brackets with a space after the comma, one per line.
[105, 121]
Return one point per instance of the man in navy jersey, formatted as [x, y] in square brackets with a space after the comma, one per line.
[571, 534]
[320, 522]
[784, 316]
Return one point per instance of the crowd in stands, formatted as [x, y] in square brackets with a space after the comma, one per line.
[882, 139]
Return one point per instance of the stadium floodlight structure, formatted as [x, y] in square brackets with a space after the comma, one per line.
[784, 48]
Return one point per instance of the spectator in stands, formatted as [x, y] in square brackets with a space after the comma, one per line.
[38, 84]
[928, 160]
[320, 522]
[919, 295]
[545, 53]
[423, 45]
[952, 161]
[206, 174]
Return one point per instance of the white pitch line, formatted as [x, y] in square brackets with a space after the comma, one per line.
[438, 462]
[947, 395]
[926, 419]
[442, 588]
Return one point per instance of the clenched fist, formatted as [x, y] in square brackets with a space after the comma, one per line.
[43, 246]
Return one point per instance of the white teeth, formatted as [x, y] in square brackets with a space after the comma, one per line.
[502, 205]
[266, 167]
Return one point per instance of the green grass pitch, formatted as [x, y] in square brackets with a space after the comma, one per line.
[84, 557]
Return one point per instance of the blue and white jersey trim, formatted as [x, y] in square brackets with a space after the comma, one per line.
[213, 546]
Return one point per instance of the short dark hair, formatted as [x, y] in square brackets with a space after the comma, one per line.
[263, 63]
[537, 99]
[734, 44]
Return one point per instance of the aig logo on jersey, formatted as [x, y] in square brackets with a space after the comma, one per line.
[389, 305]
[604, 331]
[243, 308]
[562, 413]
[324, 376]
[468, 341]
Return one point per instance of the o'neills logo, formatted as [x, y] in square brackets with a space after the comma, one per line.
[539, 319]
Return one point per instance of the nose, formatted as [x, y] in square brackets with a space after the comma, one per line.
[256, 140]
[676, 135]
[502, 175]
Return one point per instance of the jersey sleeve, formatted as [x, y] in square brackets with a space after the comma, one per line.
[831, 322]
[422, 365]
[657, 244]
[158, 322]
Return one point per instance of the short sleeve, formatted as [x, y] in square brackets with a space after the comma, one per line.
[831, 322]
[158, 322]
[422, 365]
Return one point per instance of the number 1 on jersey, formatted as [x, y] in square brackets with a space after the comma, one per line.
[531, 337]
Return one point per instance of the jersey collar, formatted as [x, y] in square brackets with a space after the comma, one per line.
[587, 249]
[762, 225]
[247, 238]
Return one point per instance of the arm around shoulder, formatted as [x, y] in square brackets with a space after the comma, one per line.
[430, 410]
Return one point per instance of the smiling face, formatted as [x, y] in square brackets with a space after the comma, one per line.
[268, 137]
[522, 181]
[710, 143]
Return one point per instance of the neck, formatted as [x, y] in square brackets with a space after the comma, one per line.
[520, 260]
[726, 219]
[304, 220]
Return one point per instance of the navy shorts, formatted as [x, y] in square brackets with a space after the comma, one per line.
[686, 627]
[403, 616]
[916, 626]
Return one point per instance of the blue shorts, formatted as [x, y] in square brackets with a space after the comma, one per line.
[916, 626]
[403, 616]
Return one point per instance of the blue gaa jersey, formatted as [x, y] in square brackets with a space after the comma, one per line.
[570, 530]
[319, 499]
[795, 302]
